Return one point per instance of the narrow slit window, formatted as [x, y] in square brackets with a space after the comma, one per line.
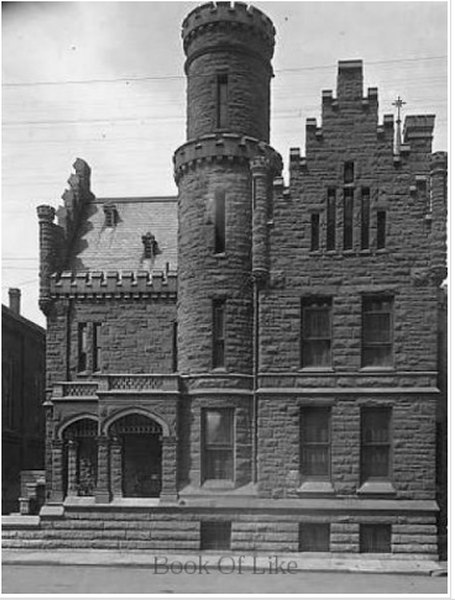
[375, 538]
[96, 346]
[331, 218]
[349, 172]
[348, 214]
[219, 333]
[365, 226]
[220, 221]
[82, 347]
[315, 231]
[381, 229]
[174, 347]
[222, 101]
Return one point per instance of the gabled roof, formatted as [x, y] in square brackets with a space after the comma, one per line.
[120, 247]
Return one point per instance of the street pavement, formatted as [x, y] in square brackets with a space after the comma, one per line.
[64, 579]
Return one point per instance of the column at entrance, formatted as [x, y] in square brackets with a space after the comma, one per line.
[102, 494]
[57, 471]
[116, 468]
[169, 470]
[72, 468]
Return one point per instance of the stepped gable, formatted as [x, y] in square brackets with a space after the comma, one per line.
[117, 245]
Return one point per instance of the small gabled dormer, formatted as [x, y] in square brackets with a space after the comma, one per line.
[110, 214]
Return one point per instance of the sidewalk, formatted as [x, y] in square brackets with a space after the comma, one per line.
[267, 563]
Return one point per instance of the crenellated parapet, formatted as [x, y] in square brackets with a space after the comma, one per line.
[227, 147]
[226, 17]
[114, 284]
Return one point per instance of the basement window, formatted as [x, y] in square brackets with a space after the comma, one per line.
[215, 535]
[314, 537]
[375, 538]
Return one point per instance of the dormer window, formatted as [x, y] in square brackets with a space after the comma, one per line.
[150, 245]
[110, 215]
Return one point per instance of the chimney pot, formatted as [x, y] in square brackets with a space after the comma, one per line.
[15, 300]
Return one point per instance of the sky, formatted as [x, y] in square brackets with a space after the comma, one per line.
[104, 81]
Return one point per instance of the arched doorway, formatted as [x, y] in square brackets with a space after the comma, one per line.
[140, 438]
[81, 457]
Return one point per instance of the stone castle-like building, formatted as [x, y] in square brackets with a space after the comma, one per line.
[283, 396]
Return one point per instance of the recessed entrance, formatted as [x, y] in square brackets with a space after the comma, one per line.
[141, 441]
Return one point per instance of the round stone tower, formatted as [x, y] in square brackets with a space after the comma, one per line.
[228, 48]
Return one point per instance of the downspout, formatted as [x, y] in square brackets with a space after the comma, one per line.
[259, 170]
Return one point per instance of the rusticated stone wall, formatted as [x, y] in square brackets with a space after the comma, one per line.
[136, 336]
[412, 446]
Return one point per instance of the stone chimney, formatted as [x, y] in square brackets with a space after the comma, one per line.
[15, 300]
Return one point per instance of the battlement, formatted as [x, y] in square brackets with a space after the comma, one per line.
[114, 284]
[223, 146]
[438, 161]
[237, 14]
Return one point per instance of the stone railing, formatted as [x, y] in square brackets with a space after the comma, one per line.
[116, 384]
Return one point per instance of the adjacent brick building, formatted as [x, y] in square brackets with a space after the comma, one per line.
[23, 368]
[284, 398]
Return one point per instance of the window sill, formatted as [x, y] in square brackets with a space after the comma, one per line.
[317, 487]
[380, 369]
[381, 251]
[365, 252]
[331, 252]
[315, 252]
[376, 488]
[220, 255]
[317, 370]
[219, 370]
[220, 484]
[349, 252]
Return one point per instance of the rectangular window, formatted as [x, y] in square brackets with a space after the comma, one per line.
[314, 537]
[377, 335]
[222, 101]
[316, 332]
[331, 218]
[315, 442]
[219, 310]
[380, 229]
[375, 538]
[96, 346]
[315, 231]
[215, 535]
[348, 215]
[220, 221]
[375, 448]
[82, 346]
[365, 227]
[174, 348]
[218, 439]
[348, 175]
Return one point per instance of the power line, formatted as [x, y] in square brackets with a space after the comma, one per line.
[128, 80]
